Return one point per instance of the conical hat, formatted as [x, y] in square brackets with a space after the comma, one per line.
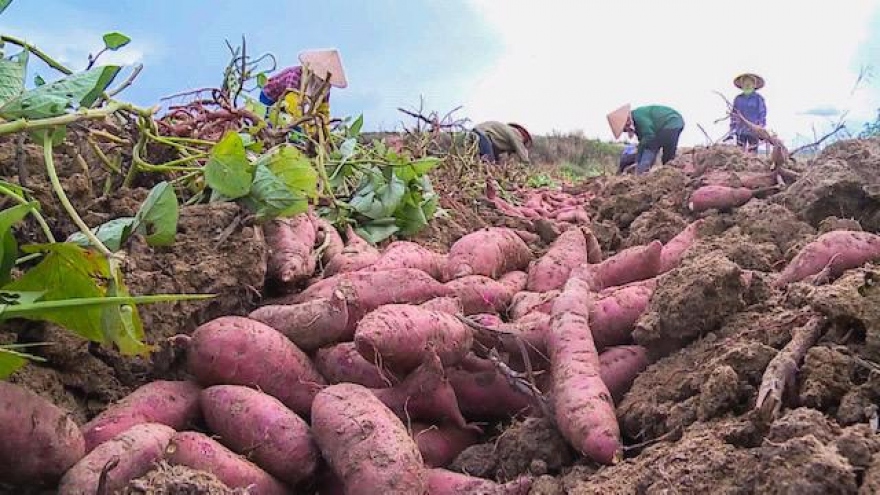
[323, 62]
[617, 120]
[759, 81]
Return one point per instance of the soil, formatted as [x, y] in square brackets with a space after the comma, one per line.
[712, 326]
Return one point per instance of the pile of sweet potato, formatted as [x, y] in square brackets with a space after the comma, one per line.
[375, 368]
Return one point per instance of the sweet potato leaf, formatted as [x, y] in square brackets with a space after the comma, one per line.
[157, 217]
[115, 41]
[293, 168]
[55, 98]
[270, 197]
[12, 75]
[228, 170]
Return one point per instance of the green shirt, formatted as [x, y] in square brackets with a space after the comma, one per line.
[505, 138]
[649, 119]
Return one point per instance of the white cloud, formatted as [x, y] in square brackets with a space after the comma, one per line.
[566, 64]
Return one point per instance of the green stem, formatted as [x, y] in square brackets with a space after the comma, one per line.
[22, 310]
[39, 53]
[59, 191]
[40, 220]
[68, 118]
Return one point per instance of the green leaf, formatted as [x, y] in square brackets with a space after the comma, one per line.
[53, 99]
[69, 272]
[10, 362]
[112, 233]
[4, 4]
[228, 170]
[12, 75]
[379, 202]
[262, 79]
[55, 134]
[8, 255]
[157, 217]
[355, 129]
[270, 197]
[293, 168]
[115, 41]
[20, 297]
[39, 81]
[377, 231]
[15, 214]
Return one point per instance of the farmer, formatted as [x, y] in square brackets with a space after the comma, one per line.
[655, 126]
[627, 157]
[751, 106]
[322, 64]
[495, 138]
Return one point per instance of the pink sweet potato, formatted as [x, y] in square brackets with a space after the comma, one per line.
[451, 305]
[613, 317]
[397, 336]
[343, 363]
[311, 324]
[487, 394]
[480, 294]
[573, 214]
[171, 403]
[619, 366]
[583, 407]
[406, 254]
[133, 453]
[515, 281]
[551, 271]
[200, 452]
[424, 394]
[356, 255]
[718, 197]
[838, 251]
[444, 482]
[232, 350]
[367, 446]
[674, 250]
[38, 440]
[258, 425]
[526, 302]
[630, 265]
[440, 444]
[492, 252]
[328, 241]
[290, 242]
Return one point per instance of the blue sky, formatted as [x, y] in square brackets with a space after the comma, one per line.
[552, 65]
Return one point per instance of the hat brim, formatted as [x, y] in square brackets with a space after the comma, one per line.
[759, 81]
[324, 62]
[617, 120]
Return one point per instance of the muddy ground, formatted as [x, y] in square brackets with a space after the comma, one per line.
[713, 325]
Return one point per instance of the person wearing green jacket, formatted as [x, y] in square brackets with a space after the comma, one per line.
[656, 127]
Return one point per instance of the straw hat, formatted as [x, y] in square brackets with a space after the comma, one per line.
[323, 62]
[527, 138]
[759, 81]
[617, 120]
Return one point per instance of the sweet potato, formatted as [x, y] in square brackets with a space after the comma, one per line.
[674, 250]
[649, 283]
[367, 446]
[171, 403]
[480, 294]
[290, 242]
[369, 290]
[836, 251]
[397, 336]
[619, 366]
[613, 317]
[451, 305]
[38, 440]
[551, 271]
[440, 444]
[515, 281]
[233, 350]
[311, 324]
[132, 454]
[445, 482]
[200, 452]
[328, 241]
[406, 254]
[356, 255]
[487, 394]
[573, 214]
[718, 197]
[492, 252]
[424, 394]
[343, 363]
[526, 302]
[583, 407]
[259, 426]
[630, 265]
